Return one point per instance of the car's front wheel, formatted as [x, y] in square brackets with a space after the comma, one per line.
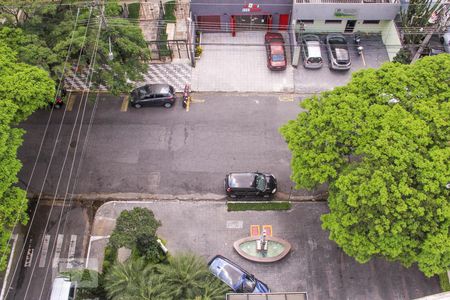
[137, 105]
[167, 105]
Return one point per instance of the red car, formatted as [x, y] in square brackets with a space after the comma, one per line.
[276, 55]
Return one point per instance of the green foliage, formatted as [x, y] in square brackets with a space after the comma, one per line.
[90, 284]
[23, 89]
[148, 247]
[109, 258]
[133, 10]
[132, 224]
[443, 280]
[403, 56]
[198, 51]
[53, 26]
[241, 206]
[186, 276]
[387, 165]
[169, 8]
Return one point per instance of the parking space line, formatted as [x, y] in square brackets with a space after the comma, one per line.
[286, 98]
[59, 242]
[124, 106]
[71, 102]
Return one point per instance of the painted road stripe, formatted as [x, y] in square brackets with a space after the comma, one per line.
[124, 106]
[286, 98]
[71, 102]
[29, 256]
[71, 256]
[59, 242]
[44, 251]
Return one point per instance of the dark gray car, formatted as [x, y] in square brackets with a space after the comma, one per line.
[338, 54]
[250, 184]
[153, 95]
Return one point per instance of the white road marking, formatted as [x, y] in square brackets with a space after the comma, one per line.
[58, 250]
[29, 256]
[71, 255]
[44, 251]
[235, 224]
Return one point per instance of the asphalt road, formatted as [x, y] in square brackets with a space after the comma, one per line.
[159, 150]
[49, 249]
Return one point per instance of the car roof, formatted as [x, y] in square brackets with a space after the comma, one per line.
[227, 271]
[156, 87]
[313, 48]
[245, 180]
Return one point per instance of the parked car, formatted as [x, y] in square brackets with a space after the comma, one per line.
[153, 95]
[338, 54]
[241, 184]
[311, 53]
[276, 54]
[235, 277]
[445, 40]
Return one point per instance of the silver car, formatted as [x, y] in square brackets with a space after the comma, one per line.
[311, 53]
[338, 54]
[445, 40]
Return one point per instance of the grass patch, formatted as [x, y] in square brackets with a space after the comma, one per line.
[133, 10]
[242, 206]
[443, 280]
[169, 9]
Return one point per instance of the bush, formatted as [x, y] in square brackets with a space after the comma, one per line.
[148, 247]
[169, 8]
[403, 56]
[133, 10]
[130, 225]
[198, 51]
[241, 206]
[110, 257]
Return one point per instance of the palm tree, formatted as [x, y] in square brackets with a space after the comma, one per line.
[214, 289]
[134, 280]
[185, 276]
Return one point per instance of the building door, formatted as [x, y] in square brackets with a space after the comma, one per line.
[251, 22]
[284, 22]
[350, 26]
[208, 23]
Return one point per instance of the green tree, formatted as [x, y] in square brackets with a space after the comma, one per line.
[147, 246]
[54, 25]
[132, 224]
[187, 276]
[23, 89]
[382, 145]
[135, 280]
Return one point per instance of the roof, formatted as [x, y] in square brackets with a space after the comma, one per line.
[60, 289]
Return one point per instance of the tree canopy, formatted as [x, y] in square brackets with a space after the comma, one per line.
[382, 143]
[45, 35]
[23, 89]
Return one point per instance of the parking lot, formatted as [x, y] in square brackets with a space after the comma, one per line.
[239, 64]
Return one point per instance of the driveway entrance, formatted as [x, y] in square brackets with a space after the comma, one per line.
[239, 64]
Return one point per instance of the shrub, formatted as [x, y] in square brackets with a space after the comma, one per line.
[198, 51]
[169, 8]
[148, 247]
[133, 10]
[443, 280]
[240, 206]
[403, 56]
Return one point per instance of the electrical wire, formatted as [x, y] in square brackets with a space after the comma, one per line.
[45, 178]
[39, 153]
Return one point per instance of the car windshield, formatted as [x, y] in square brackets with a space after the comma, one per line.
[277, 57]
[260, 183]
[248, 285]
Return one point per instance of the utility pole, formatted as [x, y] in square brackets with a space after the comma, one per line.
[440, 23]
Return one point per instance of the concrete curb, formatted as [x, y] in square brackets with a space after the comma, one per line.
[184, 197]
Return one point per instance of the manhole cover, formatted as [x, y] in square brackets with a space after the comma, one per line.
[73, 144]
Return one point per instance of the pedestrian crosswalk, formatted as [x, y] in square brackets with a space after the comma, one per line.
[63, 248]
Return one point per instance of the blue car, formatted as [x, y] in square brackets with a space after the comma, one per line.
[235, 277]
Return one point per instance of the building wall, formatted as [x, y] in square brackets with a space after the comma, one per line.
[228, 8]
[391, 39]
[319, 26]
[358, 11]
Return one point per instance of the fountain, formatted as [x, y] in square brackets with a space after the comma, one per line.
[262, 249]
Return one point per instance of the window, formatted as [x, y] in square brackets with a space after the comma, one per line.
[333, 21]
[306, 21]
[371, 22]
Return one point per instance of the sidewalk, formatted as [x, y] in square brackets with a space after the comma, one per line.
[315, 264]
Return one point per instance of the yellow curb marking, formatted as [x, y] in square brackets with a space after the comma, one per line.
[124, 106]
[71, 102]
[286, 98]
